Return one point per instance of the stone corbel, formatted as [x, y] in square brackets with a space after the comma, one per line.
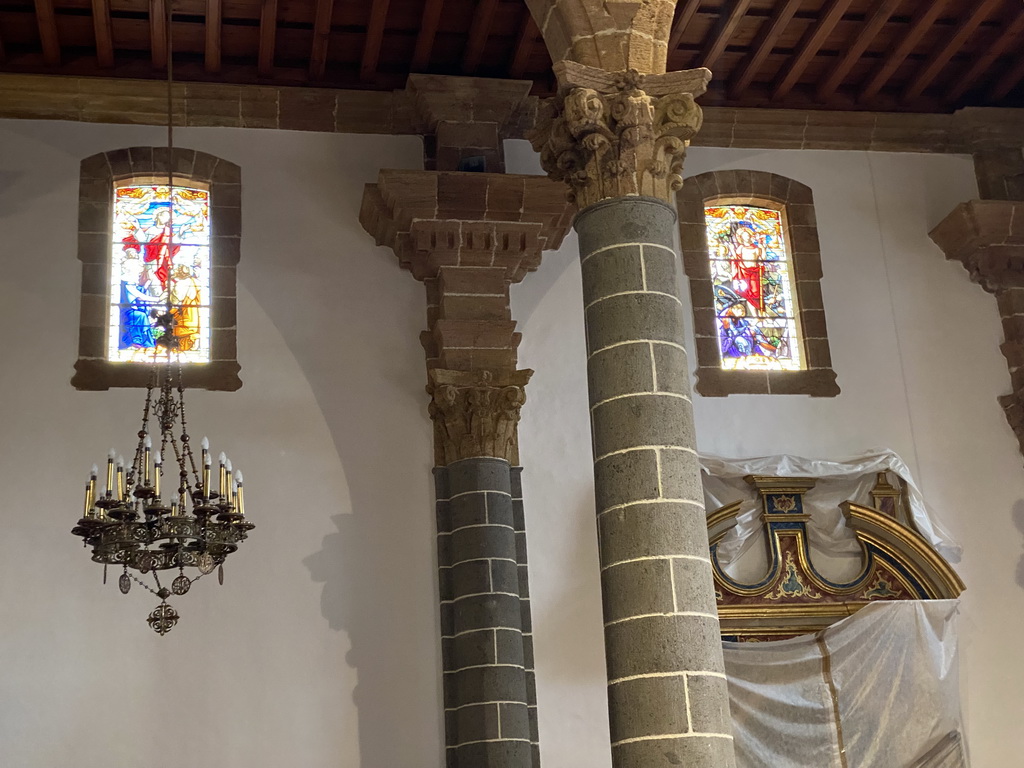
[613, 134]
[475, 413]
[987, 237]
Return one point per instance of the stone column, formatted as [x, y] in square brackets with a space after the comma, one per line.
[618, 140]
[468, 237]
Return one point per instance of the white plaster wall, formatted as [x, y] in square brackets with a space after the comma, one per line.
[321, 648]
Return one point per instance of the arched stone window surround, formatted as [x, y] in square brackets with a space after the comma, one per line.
[99, 175]
[801, 232]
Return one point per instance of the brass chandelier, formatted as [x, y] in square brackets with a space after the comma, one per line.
[164, 511]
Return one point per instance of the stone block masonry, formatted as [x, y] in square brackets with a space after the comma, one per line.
[667, 695]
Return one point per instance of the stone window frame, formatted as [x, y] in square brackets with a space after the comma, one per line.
[801, 232]
[99, 175]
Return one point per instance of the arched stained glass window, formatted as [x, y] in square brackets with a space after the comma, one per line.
[755, 298]
[160, 263]
[149, 248]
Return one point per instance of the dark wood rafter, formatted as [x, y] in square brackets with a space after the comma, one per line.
[525, 40]
[268, 37]
[428, 30]
[962, 32]
[872, 26]
[158, 33]
[214, 13]
[3, 53]
[374, 40]
[1012, 33]
[1008, 81]
[321, 38]
[918, 28]
[47, 22]
[480, 29]
[684, 16]
[769, 34]
[809, 46]
[724, 33]
[104, 33]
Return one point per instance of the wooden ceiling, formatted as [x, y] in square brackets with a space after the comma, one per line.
[883, 55]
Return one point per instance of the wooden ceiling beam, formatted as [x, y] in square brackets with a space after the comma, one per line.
[809, 46]
[428, 30]
[1008, 81]
[717, 46]
[686, 13]
[268, 38]
[936, 61]
[47, 21]
[3, 54]
[528, 34]
[768, 35]
[321, 39]
[374, 40]
[104, 33]
[158, 33]
[872, 26]
[479, 31]
[214, 14]
[1011, 33]
[918, 27]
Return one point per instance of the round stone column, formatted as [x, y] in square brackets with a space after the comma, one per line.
[667, 696]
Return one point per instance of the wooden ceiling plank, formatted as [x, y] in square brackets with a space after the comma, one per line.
[47, 21]
[268, 37]
[374, 40]
[1011, 33]
[809, 46]
[769, 35]
[214, 14]
[689, 10]
[158, 33]
[872, 26]
[936, 61]
[428, 30]
[528, 34]
[3, 54]
[918, 28]
[717, 46]
[480, 29]
[104, 33]
[321, 38]
[1008, 81]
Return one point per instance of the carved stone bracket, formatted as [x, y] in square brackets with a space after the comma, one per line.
[616, 134]
[987, 237]
[475, 413]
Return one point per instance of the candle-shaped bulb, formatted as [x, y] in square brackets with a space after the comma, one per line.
[94, 472]
[111, 454]
[227, 464]
[238, 477]
[158, 464]
[147, 443]
[205, 443]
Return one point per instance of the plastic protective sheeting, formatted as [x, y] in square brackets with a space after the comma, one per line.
[848, 479]
[879, 689]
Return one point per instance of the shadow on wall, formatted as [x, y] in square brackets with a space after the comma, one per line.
[1018, 521]
[352, 319]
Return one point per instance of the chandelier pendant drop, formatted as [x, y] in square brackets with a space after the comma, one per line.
[150, 520]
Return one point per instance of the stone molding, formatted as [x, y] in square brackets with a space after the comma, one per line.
[617, 134]
[796, 199]
[987, 237]
[99, 173]
[328, 110]
[476, 413]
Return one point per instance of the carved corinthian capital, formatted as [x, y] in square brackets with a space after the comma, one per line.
[476, 414]
[617, 134]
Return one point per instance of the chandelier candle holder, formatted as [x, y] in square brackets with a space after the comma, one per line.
[161, 514]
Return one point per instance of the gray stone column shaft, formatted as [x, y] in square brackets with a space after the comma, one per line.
[487, 718]
[667, 696]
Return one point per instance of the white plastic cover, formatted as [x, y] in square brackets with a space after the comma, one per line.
[879, 689]
[842, 480]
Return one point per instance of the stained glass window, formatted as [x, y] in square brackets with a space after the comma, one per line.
[755, 300]
[160, 263]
